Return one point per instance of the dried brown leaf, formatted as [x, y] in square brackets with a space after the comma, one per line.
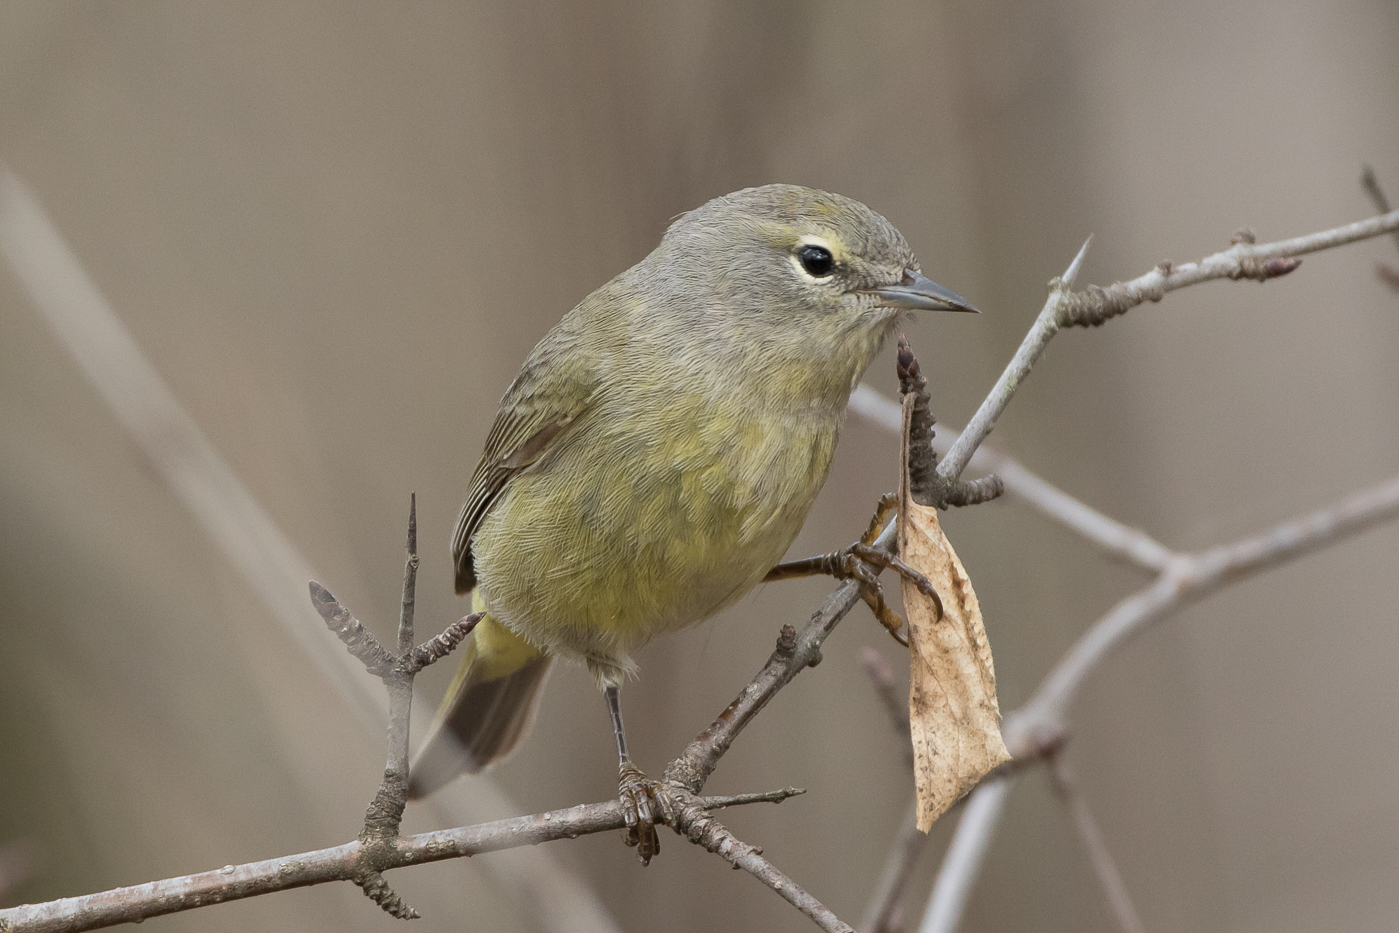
[952, 704]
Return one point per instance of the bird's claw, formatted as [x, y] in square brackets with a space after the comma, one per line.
[862, 562]
[644, 804]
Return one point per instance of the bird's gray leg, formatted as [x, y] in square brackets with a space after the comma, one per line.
[859, 562]
[644, 801]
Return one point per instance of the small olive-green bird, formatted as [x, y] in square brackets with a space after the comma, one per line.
[658, 453]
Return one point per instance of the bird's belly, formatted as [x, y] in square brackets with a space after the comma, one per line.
[654, 537]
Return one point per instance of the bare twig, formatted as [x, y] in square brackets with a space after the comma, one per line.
[794, 652]
[441, 645]
[1039, 726]
[1121, 541]
[1386, 273]
[234, 882]
[1188, 580]
[881, 674]
[927, 485]
[1103, 865]
[1066, 308]
[1244, 260]
[909, 844]
[385, 812]
[16, 863]
[693, 821]
[962, 863]
[1041, 332]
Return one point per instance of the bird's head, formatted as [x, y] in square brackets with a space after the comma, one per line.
[783, 256]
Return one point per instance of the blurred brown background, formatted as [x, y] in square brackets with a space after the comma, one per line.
[336, 229]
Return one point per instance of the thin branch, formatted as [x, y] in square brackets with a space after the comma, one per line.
[358, 640]
[1114, 888]
[962, 863]
[384, 814]
[694, 823]
[1114, 537]
[17, 861]
[1038, 728]
[341, 863]
[909, 844]
[1041, 332]
[881, 674]
[441, 645]
[1386, 273]
[1066, 308]
[794, 652]
[1188, 580]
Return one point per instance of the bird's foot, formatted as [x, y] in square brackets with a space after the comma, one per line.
[863, 562]
[644, 804]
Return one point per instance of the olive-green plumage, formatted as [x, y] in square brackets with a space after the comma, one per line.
[661, 446]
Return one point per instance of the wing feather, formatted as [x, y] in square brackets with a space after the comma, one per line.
[530, 420]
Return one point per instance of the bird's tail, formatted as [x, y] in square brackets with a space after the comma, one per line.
[487, 710]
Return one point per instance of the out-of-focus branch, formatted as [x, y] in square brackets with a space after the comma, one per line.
[881, 674]
[16, 863]
[1114, 537]
[962, 863]
[1386, 273]
[1039, 726]
[909, 843]
[341, 863]
[1114, 888]
[1187, 580]
[87, 326]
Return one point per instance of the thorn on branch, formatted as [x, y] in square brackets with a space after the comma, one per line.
[410, 579]
[358, 640]
[737, 800]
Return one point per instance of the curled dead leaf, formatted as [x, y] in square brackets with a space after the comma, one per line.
[955, 719]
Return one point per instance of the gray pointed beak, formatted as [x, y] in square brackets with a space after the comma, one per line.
[917, 292]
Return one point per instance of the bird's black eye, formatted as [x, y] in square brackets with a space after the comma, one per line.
[816, 260]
